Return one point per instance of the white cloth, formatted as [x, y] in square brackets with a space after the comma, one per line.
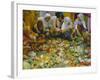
[66, 24]
[80, 21]
[50, 23]
[47, 15]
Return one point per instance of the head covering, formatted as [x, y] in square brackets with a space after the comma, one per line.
[47, 15]
[81, 21]
[67, 23]
[81, 16]
[67, 19]
[40, 18]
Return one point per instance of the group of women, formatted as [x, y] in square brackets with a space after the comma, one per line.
[61, 26]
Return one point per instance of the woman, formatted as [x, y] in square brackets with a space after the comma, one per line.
[80, 25]
[67, 28]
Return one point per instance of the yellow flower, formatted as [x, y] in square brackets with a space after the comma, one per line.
[46, 59]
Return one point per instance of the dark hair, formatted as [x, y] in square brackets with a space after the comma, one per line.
[59, 14]
[40, 25]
